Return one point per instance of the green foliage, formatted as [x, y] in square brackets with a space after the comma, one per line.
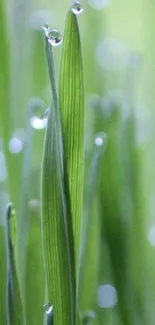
[83, 190]
[71, 99]
[14, 303]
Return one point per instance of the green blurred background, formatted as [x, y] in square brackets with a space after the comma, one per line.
[117, 273]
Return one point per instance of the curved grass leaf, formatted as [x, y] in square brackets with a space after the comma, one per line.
[56, 230]
[71, 96]
[14, 302]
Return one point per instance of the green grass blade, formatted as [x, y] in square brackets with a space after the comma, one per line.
[91, 237]
[114, 229]
[2, 276]
[34, 273]
[71, 94]
[4, 197]
[14, 302]
[58, 246]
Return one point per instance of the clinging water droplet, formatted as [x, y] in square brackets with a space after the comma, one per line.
[38, 123]
[48, 308]
[107, 296]
[76, 8]
[53, 35]
[17, 140]
[100, 139]
[15, 145]
[38, 120]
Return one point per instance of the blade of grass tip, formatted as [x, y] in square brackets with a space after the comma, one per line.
[71, 97]
[14, 302]
[57, 241]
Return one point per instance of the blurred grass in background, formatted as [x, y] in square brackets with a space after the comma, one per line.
[118, 257]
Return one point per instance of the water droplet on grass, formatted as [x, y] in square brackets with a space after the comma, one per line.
[48, 308]
[107, 296]
[38, 119]
[16, 142]
[15, 145]
[54, 36]
[38, 123]
[100, 139]
[76, 8]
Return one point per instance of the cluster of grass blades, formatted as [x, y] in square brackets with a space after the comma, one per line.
[62, 177]
[79, 257]
[61, 189]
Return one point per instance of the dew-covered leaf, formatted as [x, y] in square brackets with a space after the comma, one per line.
[56, 229]
[71, 97]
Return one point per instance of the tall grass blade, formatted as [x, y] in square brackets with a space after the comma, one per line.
[71, 97]
[113, 223]
[14, 302]
[4, 197]
[56, 230]
[91, 236]
[2, 276]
